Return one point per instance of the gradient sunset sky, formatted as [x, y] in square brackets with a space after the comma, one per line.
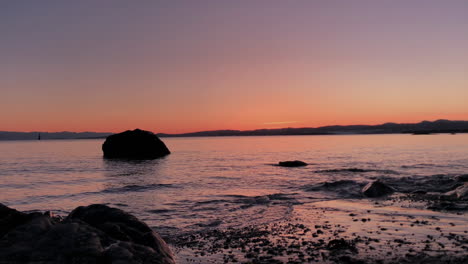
[182, 66]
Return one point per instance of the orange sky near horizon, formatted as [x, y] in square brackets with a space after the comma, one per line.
[185, 67]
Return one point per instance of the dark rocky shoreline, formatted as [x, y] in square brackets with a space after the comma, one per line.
[355, 231]
[334, 232]
[92, 234]
[392, 228]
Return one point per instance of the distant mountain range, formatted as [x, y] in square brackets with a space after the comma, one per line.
[424, 127]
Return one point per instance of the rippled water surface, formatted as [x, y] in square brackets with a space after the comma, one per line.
[224, 181]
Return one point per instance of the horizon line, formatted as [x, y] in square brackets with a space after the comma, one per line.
[201, 131]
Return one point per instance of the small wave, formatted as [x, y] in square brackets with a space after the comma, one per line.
[214, 223]
[340, 189]
[280, 196]
[262, 199]
[344, 170]
[128, 188]
[226, 178]
[431, 165]
[245, 202]
[416, 166]
[277, 198]
[15, 186]
[199, 209]
[330, 185]
[167, 232]
[355, 170]
[439, 183]
[137, 188]
[211, 202]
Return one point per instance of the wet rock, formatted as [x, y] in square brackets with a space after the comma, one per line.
[460, 192]
[68, 242]
[120, 225]
[462, 178]
[136, 144]
[10, 218]
[341, 244]
[349, 260]
[117, 237]
[335, 184]
[377, 189]
[292, 163]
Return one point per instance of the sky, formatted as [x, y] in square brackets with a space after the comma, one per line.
[184, 66]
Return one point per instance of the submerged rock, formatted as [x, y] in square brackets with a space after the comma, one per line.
[377, 189]
[136, 144]
[293, 163]
[93, 234]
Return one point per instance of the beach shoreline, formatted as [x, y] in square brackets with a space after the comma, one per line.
[336, 231]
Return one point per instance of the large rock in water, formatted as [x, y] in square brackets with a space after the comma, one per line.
[292, 163]
[377, 189]
[93, 234]
[136, 144]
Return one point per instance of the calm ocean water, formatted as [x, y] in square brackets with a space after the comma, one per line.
[224, 181]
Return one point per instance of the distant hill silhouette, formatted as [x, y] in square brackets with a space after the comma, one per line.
[424, 127]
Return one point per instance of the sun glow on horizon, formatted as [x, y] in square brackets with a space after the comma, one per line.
[280, 122]
[180, 67]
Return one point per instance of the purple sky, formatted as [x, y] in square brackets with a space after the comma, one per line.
[179, 66]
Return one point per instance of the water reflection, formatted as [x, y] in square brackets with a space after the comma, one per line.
[140, 187]
[121, 173]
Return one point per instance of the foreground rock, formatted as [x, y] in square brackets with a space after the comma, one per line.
[136, 144]
[377, 189]
[93, 234]
[293, 163]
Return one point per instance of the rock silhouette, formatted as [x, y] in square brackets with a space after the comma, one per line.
[292, 163]
[92, 234]
[136, 144]
[377, 189]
